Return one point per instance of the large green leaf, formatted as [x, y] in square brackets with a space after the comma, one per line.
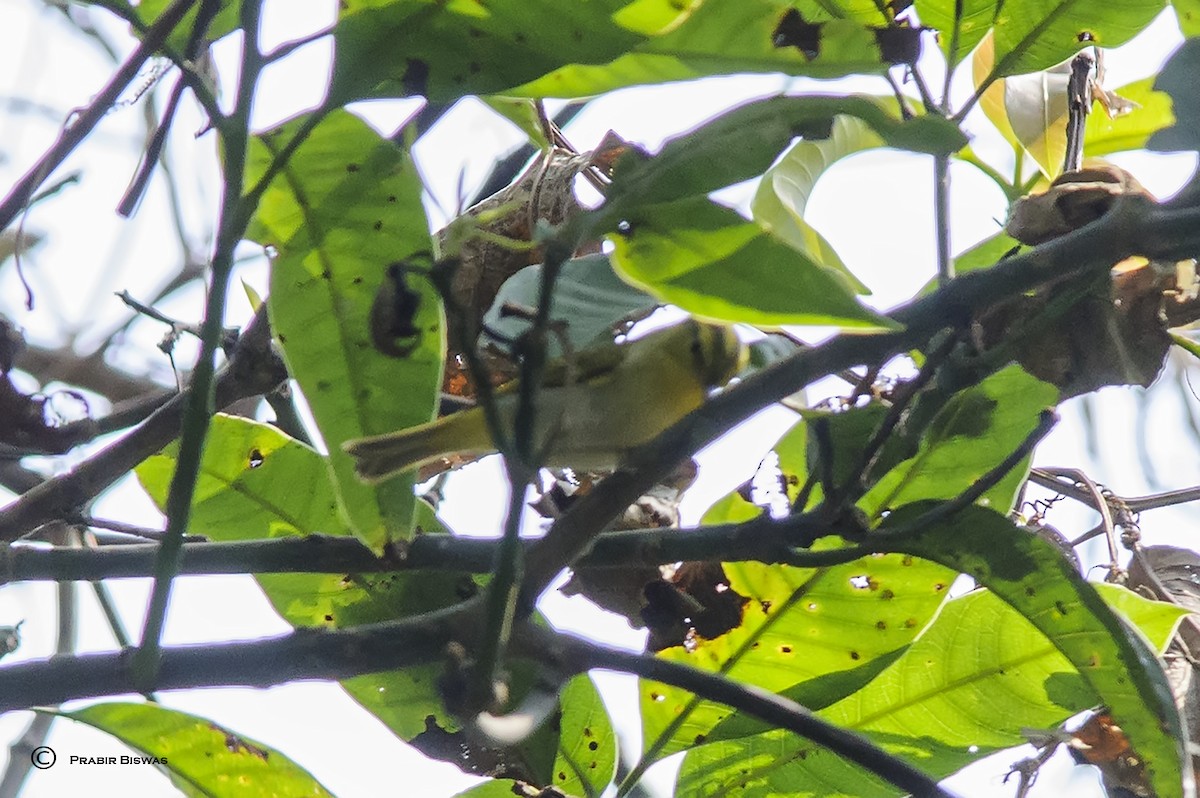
[1129, 131]
[587, 744]
[976, 20]
[710, 261]
[783, 194]
[800, 624]
[1032, 576]
[255, 482]
[972, 434]
[447, 50]
[1035, 34]
[202, 758]
[345, 207]
[968, 686]
[742, 142]
[720, 37]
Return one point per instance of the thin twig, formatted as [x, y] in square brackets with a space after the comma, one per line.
[78, 129]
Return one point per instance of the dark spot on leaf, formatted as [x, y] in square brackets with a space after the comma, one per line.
[236, 745]
[910, 623]
[329, 619]
[939, 587]
[886, 594]
[352, 168]
[906, 560]
[326, 274]
[378, 225]
[881, 625]
[593, 745]
[577, 35]
[391, 198]
[785, 649]
[519, 38]
[765, 605]
[1029, 591]
[756, 645]
[474, 67]
[1062, 608]
[1085, 36]
[794, 30]
[592, 766]
[562, 776]
[256, 458]
[898, 45]
[282, 338]
[357, 280]
[324, 385]
[416, 76]
[474, 32]
[802, 754]
[699, 740]
[855, 655]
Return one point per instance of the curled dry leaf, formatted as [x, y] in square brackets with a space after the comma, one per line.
[1116, 334]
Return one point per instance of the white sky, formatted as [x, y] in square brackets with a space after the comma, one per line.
[90, 252]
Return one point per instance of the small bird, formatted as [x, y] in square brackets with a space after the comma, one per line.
[590, 413]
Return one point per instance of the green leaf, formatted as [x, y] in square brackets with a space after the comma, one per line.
[972, 434]
[975, 22]
[799, 624]
[1035, 34]
[202, 758]
[742, 142]
[1178, 79]
[1032, 576]
[1188, 14]
[786, 187]
[711, 262]
[1129, 131]
[522, 113]
[345, 207]
[447, 50]
[495, 788]
[721, 37]
[587, 744]
[968, 686]
[255, 482]
[588, 296]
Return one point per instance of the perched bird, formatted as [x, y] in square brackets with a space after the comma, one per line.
[590, 412]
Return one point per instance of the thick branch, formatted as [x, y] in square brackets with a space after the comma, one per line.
[1134, 225]
[763, 540]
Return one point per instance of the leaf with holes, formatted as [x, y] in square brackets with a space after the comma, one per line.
[971, 684]
[1031, 575]
[339, 214]
[723, 36]
[799, 624]
[255, 482]
[202, 758]
[587, 744]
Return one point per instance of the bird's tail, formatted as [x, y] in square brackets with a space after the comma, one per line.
[382, 456]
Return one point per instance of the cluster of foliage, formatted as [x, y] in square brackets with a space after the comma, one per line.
[845, 667]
